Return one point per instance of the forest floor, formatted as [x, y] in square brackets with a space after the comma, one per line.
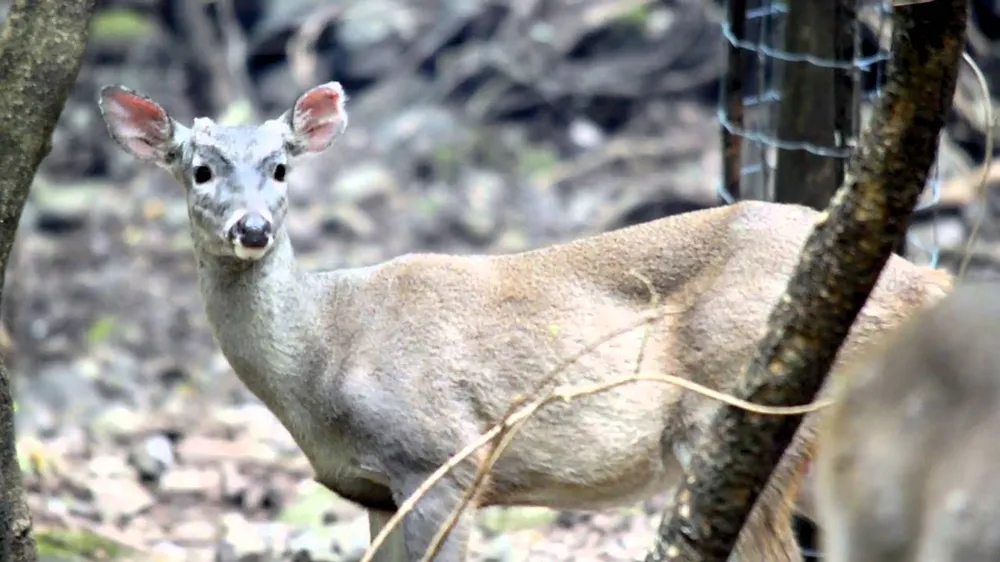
[136, 437]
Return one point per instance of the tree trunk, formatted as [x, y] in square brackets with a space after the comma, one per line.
[809, 106]
[41, 48]
[840, 265]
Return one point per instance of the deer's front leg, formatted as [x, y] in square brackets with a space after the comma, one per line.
[393, 549]
[433, 511]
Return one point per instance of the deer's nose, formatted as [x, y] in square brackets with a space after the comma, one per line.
[252, 231]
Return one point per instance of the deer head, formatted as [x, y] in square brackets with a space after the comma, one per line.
[235, 177]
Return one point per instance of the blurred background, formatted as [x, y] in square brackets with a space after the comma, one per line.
[481, 126]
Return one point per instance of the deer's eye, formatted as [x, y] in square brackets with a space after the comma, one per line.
[202, 174]
[279, 172]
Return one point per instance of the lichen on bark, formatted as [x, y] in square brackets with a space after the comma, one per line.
[41, 48]
[840, 265]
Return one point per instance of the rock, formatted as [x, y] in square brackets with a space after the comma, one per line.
[263, 495]
[153, 457]
[348, 221]
[60, 209]
[147, 530]
[201, 449]
[501, 549]
[194, 532]
[276, 535]
[166, 551]
[343, 542]
[58, 390]
[421, 130]
[234, 484]
[314, 504]
[585, 134]
[241, 541]
[109, 467]
[254, 419]
[117, 422]
[192, 481]
[350, 539]
[364, 182]
[482, 220]
[365, 24]
[117, 498]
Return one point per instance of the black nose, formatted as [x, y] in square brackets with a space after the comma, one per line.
[252, 230]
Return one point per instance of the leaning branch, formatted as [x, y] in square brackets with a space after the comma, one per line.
[839, 267]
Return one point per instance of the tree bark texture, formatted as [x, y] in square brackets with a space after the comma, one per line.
[41, 48]
[839, 266]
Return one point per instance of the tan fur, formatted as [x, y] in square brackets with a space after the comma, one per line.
[907, 461]
[382, 373]
[718, 273]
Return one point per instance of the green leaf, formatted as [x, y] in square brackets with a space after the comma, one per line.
[101, 330]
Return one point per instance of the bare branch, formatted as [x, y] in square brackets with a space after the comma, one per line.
[504, 431]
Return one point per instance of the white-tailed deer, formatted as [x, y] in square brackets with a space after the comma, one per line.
[381, 373]
[908, 457]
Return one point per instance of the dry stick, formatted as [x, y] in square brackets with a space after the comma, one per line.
[513, 424]
[503, 440]
[515, 419]
[500, 443]
[508, 432]
[981, 188]
[482, 440]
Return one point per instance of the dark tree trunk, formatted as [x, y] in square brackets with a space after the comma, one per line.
[813, 105]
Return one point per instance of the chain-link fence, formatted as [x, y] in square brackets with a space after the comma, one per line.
[759, 90]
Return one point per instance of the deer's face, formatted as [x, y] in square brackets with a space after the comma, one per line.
[235, 177]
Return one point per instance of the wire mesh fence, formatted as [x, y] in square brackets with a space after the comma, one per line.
[759, 97]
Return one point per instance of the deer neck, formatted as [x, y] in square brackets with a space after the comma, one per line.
[261, 313]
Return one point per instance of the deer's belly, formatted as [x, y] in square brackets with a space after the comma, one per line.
[588, 480]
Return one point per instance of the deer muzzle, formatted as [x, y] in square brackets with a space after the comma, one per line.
[252, 233]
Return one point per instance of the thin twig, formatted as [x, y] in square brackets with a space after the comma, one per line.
[504, 430]
[504, 439]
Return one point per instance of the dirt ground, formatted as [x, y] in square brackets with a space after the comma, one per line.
[137, 439]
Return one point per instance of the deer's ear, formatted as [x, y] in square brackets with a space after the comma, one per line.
[138, 124]
[317, 118]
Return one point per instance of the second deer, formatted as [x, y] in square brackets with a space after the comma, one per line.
[908, 459]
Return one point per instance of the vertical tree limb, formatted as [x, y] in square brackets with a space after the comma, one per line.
[41, 48]
[839, 266]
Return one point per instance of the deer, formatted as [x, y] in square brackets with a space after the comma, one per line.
[907, 456]
[381, 373]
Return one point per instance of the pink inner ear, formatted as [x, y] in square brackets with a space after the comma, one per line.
[318, 117]
[140, 124]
